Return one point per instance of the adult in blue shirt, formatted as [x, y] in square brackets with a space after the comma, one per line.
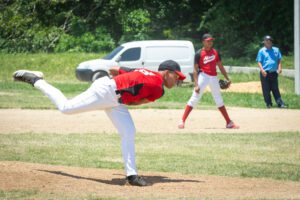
[269, 62]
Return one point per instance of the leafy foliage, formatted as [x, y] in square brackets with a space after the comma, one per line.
[101, 40]
[97, 25]
[136, 26]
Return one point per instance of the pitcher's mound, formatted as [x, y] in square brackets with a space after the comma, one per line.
[79, 182]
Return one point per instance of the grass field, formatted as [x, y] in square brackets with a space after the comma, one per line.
[59, 69]
[12, 95]
[287, 62]
[262, 155]
[259, 155]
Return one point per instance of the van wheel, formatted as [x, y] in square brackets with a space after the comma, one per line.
[98, 74]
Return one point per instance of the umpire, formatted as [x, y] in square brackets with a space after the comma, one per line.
[269, 62]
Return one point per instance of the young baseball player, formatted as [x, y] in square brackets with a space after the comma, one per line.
[126, 87]
[205, 73]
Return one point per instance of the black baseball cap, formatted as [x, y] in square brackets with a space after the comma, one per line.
[171, 65]
[207, 37]
[268, 37]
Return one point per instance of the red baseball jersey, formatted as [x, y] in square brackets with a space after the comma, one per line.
[207, 61]
[137, 84]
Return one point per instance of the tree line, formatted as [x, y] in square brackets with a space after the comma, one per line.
[101, 25]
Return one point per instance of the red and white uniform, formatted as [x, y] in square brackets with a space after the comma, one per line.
[102, 94]
[207, 62]
[139, 84]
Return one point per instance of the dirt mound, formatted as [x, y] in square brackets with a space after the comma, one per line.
[83, 182]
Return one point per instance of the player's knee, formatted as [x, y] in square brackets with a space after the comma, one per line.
[219, 101]
[193, 102]
[220, 104]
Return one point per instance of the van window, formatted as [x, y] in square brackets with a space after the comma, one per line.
[156, 53]
[113, 53]
[131, 54]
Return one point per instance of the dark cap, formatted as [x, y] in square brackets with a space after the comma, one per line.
[267, 37]
[171, 65]
[207, 37]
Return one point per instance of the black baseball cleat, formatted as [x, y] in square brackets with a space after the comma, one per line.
[135, 180]
[27, 76]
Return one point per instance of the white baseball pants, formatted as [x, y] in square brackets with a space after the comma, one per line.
[100, 95]
[203, 81]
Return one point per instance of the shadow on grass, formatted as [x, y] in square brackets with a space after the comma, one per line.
[121, 181]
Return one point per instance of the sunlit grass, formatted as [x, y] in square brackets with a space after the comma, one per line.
[268, 155]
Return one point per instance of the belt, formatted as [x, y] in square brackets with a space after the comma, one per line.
[119, 95]
[270, 72]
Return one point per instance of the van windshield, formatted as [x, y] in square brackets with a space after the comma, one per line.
[113, 53]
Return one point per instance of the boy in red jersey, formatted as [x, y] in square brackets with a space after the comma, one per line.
[128, 86]
[205, 73]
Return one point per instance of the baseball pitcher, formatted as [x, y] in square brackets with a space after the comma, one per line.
[126, 87]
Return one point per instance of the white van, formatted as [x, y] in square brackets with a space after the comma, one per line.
[141, 54]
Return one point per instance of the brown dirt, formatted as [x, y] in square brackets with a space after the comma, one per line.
[82, 182]
[245, 87]
[149, 121]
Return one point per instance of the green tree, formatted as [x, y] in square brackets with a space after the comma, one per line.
[239, 25]
[135, 25]
[97, 25]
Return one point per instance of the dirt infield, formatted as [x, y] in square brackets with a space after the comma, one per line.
[83, 182]
[149, 121]
[78, 182]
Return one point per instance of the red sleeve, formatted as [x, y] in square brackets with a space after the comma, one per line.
[124, 70]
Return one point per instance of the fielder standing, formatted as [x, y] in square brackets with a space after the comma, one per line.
[205, 73]
[127, 87]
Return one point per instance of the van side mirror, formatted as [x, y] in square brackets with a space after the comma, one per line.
[118, 58]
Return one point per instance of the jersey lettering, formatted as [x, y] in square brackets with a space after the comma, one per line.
[145, 72]
[208, 59]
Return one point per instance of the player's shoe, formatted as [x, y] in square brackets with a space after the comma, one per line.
[135, 180]
[232, 125]
[27, 76]
[181, 125]
[269, 106]
[283, 106]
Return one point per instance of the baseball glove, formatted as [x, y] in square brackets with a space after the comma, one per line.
[224, 84]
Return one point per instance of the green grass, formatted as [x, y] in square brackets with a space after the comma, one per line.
[12, 95]
[17, 194]
[61, 66]
[20, 95]
[57, 67]
[261, 155]
[39, 194]
[287, 62]
[59, 70]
